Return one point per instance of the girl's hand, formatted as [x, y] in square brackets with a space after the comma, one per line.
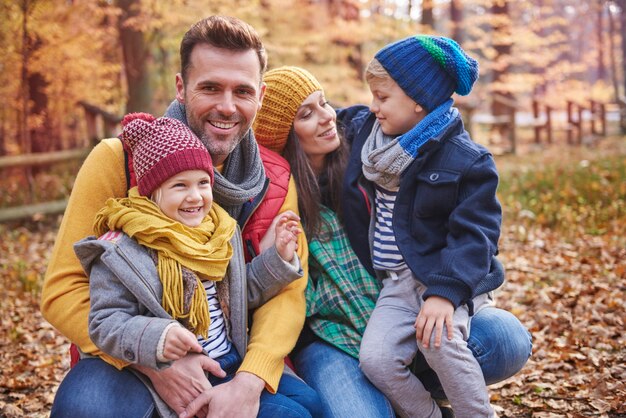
[287, 232]
[178, 342]
[269, 238]
[435, 313]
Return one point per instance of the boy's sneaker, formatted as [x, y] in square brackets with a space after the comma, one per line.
[445, 408]
[446, 412]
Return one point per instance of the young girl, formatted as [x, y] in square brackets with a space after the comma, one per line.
[156, 272]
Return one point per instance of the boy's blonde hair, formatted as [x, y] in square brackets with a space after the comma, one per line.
[375, 70]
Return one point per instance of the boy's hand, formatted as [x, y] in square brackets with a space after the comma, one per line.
[269, 238]
[178, 342]
[435, 313]
[287, 231]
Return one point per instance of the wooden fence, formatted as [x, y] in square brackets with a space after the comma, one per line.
[101, 124]
[580, 119]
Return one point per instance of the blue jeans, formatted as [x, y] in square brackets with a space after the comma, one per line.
[293, 398]
[343, 388]
[498, 340]
[95, 389]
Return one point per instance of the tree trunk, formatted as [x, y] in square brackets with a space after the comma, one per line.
[600, 31]
[456, 20]
[25, 140]
[613, 63]
[136, 57]
[502, 103]
[428, 19]
[40, 135]
[622, 15]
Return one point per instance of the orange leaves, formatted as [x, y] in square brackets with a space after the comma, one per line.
[566, 267]
[33, 355]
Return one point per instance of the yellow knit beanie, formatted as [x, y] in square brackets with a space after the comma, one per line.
[287, 87]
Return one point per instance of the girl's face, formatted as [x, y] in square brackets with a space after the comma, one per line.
[396, 112]
[185, 197]
[315, 127]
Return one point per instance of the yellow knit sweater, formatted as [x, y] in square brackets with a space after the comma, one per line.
[65, 294]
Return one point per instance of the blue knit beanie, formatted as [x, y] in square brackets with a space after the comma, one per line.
[429, 68]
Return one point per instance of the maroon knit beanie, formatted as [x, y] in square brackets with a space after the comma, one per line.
[162, 148]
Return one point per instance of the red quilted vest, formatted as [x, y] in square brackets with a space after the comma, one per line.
[278, 172]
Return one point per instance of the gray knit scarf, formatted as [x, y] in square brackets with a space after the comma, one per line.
[242, 177]
[384, 157]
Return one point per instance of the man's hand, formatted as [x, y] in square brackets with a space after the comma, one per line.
[181, 383]
[238, 398]
[436, 311]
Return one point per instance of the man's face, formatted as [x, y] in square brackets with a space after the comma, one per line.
[222, 93]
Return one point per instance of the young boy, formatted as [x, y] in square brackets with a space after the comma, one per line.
[156, 271]
[436, 226]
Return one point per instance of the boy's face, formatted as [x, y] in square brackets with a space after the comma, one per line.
[396, 112]
[186, 197]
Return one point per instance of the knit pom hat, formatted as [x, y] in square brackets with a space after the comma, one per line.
[287, 87]
[162, 148]
[429, 68]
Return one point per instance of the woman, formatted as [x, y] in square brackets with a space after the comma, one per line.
[297, 122]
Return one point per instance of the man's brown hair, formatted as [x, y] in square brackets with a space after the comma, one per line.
[224, 32]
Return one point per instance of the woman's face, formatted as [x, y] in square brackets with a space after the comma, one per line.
[315, 127]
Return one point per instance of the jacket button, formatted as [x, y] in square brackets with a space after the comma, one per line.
[129, 355]
[434, 177]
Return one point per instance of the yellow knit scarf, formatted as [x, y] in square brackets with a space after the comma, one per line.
[205, 249]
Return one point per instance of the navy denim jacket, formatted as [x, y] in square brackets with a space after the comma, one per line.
[446, 218]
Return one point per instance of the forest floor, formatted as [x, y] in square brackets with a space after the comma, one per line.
[563, 245]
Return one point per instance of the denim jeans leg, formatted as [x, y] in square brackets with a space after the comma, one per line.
[500, 343]
[341, 385]
[279, 405]
[295, 389]
[95, 389]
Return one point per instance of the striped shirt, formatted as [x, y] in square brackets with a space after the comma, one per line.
[218, 342]
[386, 255]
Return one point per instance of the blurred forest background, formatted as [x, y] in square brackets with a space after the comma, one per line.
[549, 102]
[121, 55]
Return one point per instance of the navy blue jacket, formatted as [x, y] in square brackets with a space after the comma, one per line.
[446, 217]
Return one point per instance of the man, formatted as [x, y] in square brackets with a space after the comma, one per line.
[219, 91]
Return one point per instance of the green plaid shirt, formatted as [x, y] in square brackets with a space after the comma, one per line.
[341, 294]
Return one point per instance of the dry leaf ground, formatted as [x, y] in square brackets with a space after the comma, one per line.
[566, 281]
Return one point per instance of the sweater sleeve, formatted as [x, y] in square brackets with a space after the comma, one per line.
[65, 293]
[276, 325]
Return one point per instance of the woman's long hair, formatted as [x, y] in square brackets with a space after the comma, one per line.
[313, 191]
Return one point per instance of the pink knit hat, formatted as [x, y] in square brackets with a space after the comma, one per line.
[162, 148]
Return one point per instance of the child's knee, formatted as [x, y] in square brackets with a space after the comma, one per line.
[376, 364]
